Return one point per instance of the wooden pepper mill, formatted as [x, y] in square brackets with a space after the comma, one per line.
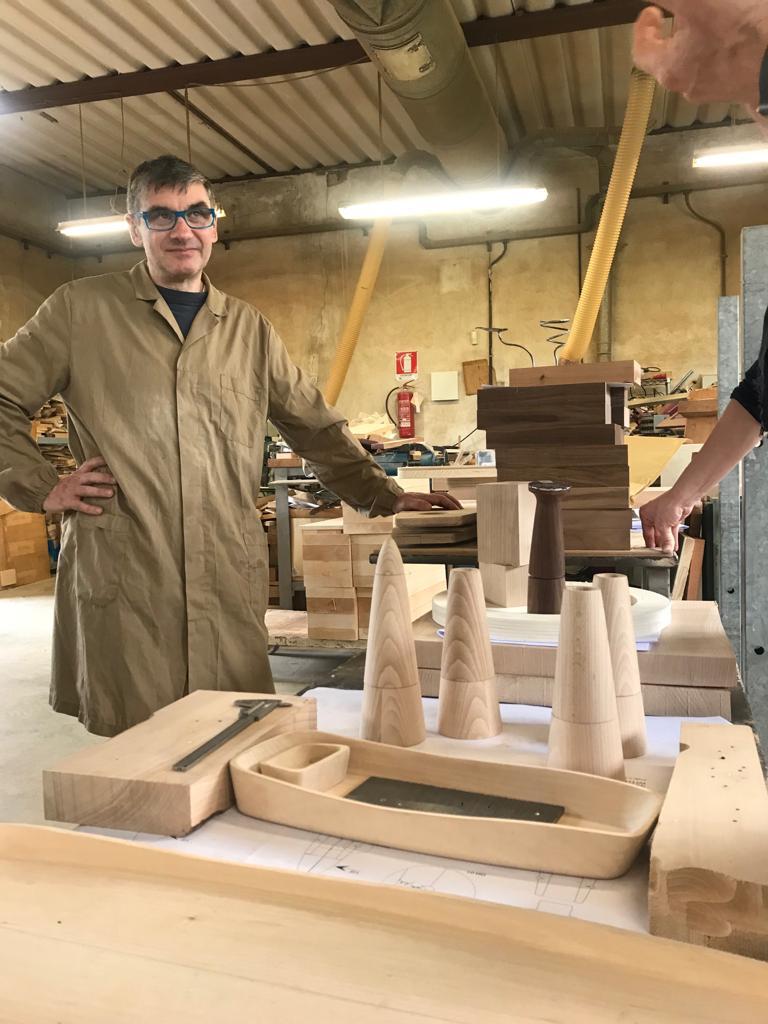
[546, 570]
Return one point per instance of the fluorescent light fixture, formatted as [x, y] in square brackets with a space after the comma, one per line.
[88, 227]
[445, 202]
[754, 156]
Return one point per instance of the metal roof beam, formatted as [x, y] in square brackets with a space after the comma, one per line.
[301, 60]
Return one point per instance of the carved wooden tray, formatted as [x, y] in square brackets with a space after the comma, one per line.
[95, 930]
[303, 779]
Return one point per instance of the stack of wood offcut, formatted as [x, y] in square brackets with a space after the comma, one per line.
[567, 423]
[23, 547]
[338, 576]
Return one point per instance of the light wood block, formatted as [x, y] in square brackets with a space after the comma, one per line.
[693, 651]
[599, 834]
[566, 406]
[392, 708]
[327, 558]
[584, 735]
[7, 577]
[503, 585]
[355, 523]
[467, 707]
[508, 436]
[363, 546]
[709, 870]
[625, 372]
[659, 701]
[120, 957]
[332, 614]
[128, 782]
[505, 513]
[431, 537]
[579, 466]
[435, 519]
[626, 669]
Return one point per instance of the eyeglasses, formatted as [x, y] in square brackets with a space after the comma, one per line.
[196, 217]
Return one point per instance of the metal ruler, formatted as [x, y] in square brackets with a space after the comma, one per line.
[250, 711]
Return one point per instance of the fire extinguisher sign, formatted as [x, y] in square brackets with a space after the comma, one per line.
[406, 365]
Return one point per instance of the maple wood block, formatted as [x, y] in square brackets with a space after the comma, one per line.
[392, 708]
[332, 614]
[128, 781]
[505, 513]
[363, 546]
[526, 435]
[467, 707]
[564, 406]
[327, 557]
[626, 668]
[504, 585]
[625, 372]
[584, 735]
[355, 522]
[709, 872]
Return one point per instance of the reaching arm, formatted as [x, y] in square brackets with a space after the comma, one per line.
[735, 435]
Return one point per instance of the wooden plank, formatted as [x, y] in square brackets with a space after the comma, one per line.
[508, 436]
[363, 546]
[327, 559]
[693, 650]
[683, 569]
[625, 372]
[435, 519]
[565, 405]
[693, 588]
[128, 782]
[197, 938]
[505, 513]
[357, 523]
[659, 701]
[581, 466]
[709, 870]
[410, 538]
[475, 375]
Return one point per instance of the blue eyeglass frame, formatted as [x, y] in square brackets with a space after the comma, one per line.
[183, 214]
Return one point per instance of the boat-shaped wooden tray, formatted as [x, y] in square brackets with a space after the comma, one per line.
[95, 930]
[309, 780]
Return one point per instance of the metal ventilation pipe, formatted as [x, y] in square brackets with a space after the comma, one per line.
[422, 55]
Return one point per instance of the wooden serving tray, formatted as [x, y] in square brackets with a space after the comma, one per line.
[96, 930]
[601, 832]
[128, 782]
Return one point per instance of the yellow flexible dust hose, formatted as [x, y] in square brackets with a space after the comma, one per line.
[641, 92]
[377, 243]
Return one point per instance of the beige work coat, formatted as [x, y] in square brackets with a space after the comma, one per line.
[167, 588]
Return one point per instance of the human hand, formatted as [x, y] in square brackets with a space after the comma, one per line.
[85, 482]
[413, 502]
[715, 52]
[661, 519]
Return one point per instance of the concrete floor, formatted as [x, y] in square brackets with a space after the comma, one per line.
[31, 735]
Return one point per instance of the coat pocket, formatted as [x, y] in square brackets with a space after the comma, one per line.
[96, 548]
[241, 412]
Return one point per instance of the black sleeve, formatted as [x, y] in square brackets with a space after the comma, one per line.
[749, 394]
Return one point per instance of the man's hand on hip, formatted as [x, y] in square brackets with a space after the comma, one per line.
[87, 482]
[413, 502]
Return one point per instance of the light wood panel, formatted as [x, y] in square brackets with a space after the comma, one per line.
[128, 782]
[392, 709]
[584, 735]
[505, 513]
[327, 559]
[139, 946]
[356, 523]
[601, 830]
[435, 519]
[626, 668]
[332, 614]
[503, 585]
[431, 537]
[709, 857]
[625, 372]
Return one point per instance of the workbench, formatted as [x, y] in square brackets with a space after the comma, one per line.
[621, 902]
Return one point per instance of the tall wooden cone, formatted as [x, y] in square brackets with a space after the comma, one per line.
[584, 735]
[392, 708]
[468, 708]
[626, 671]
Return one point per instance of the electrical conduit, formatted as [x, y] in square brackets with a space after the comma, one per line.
[374, 254]
[641, 93]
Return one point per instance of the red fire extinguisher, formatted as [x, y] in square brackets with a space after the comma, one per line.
[406, 413]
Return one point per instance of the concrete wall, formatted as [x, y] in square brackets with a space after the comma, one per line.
[667, 278]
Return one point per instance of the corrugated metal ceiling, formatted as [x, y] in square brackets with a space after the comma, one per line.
[316, 120]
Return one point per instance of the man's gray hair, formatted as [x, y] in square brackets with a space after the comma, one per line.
[165, 171]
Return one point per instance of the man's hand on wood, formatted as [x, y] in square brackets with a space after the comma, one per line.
[86, 482]
[413, 502]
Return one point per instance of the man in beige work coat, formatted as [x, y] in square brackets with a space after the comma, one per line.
[162, 580]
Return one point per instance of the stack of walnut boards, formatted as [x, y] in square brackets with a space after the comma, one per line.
[338, 576]
[438, 527]
[689, 672]
[567, 423]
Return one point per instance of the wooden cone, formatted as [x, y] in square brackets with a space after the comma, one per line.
[392, 708]
[468, 708]
[584, 735]
[626, 671]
